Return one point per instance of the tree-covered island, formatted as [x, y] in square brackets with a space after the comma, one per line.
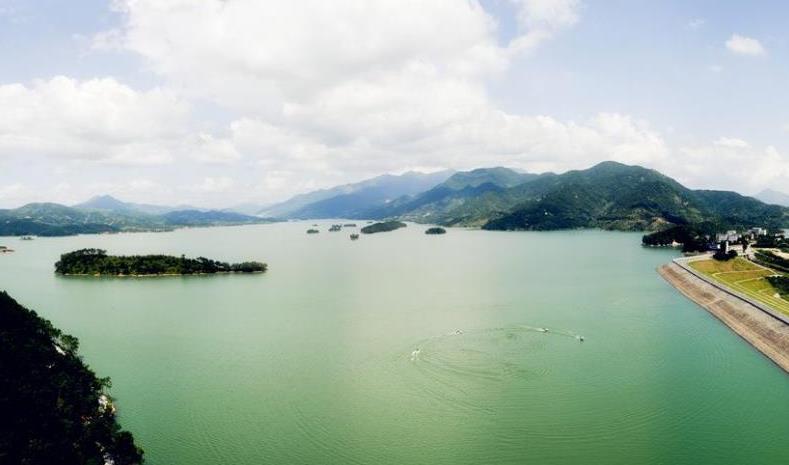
[97, 262]
[383, 227]
[435, 230]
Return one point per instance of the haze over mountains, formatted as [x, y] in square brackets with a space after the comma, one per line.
[773, 197]
[353, 200]
[609, 195]
[105, 214]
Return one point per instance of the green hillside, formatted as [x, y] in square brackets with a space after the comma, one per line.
[52, 219]
[54, 408]
[616, 196]
[467, 197]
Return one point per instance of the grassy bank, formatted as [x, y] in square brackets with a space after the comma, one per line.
[745, 277]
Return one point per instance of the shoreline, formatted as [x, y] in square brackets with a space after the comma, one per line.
[762, 331]
[154, 275]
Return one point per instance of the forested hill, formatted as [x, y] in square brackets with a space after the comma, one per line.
[467, 197]
[616, 196]
[53, 408]
[52, 219]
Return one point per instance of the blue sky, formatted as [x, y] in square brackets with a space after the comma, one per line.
[216, 103]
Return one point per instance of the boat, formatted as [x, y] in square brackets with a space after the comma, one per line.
[26, 238]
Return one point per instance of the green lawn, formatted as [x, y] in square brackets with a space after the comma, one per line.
[744, 277]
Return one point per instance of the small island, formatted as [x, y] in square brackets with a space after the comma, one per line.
[436, 230]
[383, 227]
[312, 231]
[96, 262]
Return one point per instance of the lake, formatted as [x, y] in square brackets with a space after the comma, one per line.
[402, 348]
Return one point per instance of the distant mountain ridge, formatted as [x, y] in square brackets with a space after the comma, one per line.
[110, 203]
[609, 195]
[353, 200]
[773, 197]
[52, 219]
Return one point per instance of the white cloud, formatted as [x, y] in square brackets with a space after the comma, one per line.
[731, 142]
[257, 55]
[14, 194]
[215, 184]
[333, 92]
[97, 119]
[315, 93]
[731, 164]
[210, 149]
[742, 45]
[540, 20]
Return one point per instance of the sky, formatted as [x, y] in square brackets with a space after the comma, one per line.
[221, 102]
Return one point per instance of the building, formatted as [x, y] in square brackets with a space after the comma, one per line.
[758, 231]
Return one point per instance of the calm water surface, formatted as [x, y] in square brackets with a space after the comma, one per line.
[315, 363]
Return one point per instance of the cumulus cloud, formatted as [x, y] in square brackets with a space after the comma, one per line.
[742, 45]
[255, 55]
[315, 93]
[96, 119]
[540, 20]
[730, 162]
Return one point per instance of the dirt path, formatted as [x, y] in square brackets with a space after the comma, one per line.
[767, 334]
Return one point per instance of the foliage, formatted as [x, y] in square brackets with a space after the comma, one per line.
[691, 238]
[772, 260]
[383, 227]
[771, 241]
[435, 231]
[312, 231]
[721, 256]
[96, 261]
[50, 400]
[781, 284]
[615, 196]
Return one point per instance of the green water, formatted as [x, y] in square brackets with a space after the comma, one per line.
[312, 362]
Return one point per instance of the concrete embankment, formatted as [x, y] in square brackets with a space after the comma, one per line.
[764, 332]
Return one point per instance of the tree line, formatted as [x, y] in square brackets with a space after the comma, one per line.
[96, 261]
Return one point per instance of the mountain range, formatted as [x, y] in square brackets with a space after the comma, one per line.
[106, 214]
[609, 195]
[111, 204]
[354, 200]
